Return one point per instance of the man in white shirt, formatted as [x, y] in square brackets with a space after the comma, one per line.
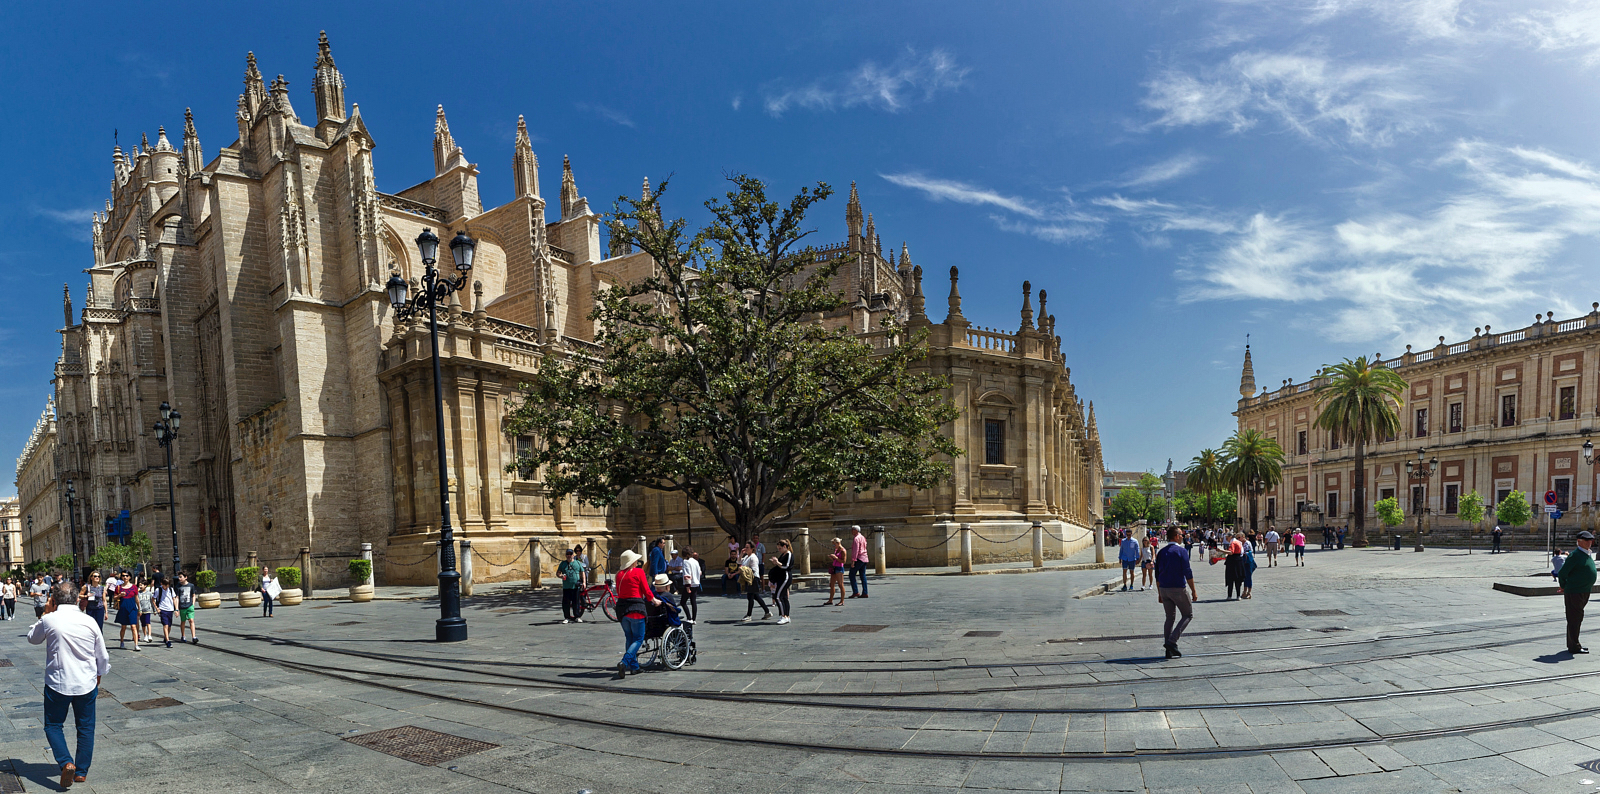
[75, 658]
[691, 587]
[1272, 547]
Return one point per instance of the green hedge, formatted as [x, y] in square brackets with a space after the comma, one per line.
[360, 570]
[247, 578]
[289, 577]
[206, 579]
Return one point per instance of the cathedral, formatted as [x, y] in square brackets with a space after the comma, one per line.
[247, 291]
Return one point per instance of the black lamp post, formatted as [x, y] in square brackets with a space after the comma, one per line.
[72, 525]
[450, 627]
[1420, 471]
[166, 432]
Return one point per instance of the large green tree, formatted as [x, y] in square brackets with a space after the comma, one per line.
[1252, 464]
[1205, 477]
[1358, 402]
[717, 380]
[1131, 504]
[1207, 509]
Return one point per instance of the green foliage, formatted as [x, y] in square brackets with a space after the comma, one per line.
[1470, 508]
[64, 564]
[718, 382]
[1389, 512]
[247, 577]
[36, 567]
[360, 570]
[1215, 508]
[1205, 478]
[1359, 401]
[205, 579]
[1513, 510]
[114, 556]
[288, 577]
[1130, 505]
[1252, 464]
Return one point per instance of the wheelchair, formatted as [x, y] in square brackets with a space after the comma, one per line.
[668, 640]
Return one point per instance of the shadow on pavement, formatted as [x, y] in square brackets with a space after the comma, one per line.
[1553, 658]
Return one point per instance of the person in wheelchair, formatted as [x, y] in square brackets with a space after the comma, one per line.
[666, 632]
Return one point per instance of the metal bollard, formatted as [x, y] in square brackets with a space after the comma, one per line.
[804, 550]
[966, 548]
[672, 545]
[880, 559]
[305, 571]
[1038, 544]
[366, 554]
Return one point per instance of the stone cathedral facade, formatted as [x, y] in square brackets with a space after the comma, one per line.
[247, 291]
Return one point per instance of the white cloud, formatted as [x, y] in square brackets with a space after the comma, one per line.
[78, 221]
[892, 87]
[1160, 216]
[738, 100]
[1571, 26]
[1184, 100]
[962, 193]
[1165, 171]
[1063, 231]
[609, 114]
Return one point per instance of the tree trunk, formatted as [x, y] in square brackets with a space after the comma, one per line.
[1359, 508]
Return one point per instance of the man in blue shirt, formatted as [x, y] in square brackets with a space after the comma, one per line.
[1172, 574]
[658, 558]
[1129, 555]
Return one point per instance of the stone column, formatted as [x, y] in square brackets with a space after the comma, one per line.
[366, 554]
[881, 561]
[644, 548]
[204, 566]
[252, 561]
[803, 548]
[1038, 544]
[305, 570]
[594, 563]
[1099, 541]
[465, 563]
[536, 564]
[966, 548]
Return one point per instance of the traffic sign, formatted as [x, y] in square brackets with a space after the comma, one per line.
[1549, 497]
[1551, 509]
[1556, 515]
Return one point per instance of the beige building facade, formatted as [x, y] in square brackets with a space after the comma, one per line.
[246, 290]
[1500, 412]
[40, 510]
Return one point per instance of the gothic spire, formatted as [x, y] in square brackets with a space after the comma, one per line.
[444, 145]
[852, 216]
[955, 299]
[280, 98]
[1027, 307]
[569, 190]
[1044, 317]
[119, 165]
[919, 314]
[255, 89]
[162, 144]
[1247, 378]
[329, 86]
[871, 239]
[193, 159]
[524, 163]
[905, 258]
[66, 304]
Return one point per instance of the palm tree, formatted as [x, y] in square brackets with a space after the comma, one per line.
[1205, 476]
[1252, 463]
[1359, 401]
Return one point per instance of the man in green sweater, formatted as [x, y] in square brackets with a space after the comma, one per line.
[1577, 577]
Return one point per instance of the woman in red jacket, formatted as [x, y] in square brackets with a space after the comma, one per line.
[633, 592]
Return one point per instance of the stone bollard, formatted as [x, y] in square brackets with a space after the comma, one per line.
[252, 561]
[1099, 542]
[203, 566]
[372, 572]
[596, 566]
[672, 545]
[644, 548]
[879, 547]
[465, 564]
[305, 571]
[1038, 545]
[804, 550]
[966, 548]
[535, 564]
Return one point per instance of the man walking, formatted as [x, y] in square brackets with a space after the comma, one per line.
[570, 572]
[1128, 554]
[1577, 577]
[75, 658]
[858, 562]
[1172, 574]
[658, 558]
[41, 595]
[1272, 547]
[185, 592]
[1497, 533]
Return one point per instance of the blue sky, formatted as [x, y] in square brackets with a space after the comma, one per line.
[1332, 177]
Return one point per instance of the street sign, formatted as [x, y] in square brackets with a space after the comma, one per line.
[1556, 515]
[1551, 509]
[1549, 497]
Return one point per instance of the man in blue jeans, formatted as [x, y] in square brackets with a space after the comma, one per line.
[1129, 555]
[858, 563]
[75, 658]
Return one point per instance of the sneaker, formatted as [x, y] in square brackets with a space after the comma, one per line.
[137, 649]
[577, 620]
[766, 616]
[690, 622]
[745, 619]
[169, 643]
[195, 641]
[783, 620]
[564, 621]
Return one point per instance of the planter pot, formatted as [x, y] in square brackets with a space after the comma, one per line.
[361, 593]
[249, 599]
[208, 600]
[289, 597]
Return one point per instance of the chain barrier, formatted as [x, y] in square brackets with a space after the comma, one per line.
[430, 558]
[919, 548]
[1001, 542]
[1085, 534]
[502, 564]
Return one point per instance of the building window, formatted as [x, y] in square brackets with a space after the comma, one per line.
[1452, 497]
[1333, 442]
[1455, 417]
[524, 449]
[1500, 495]
[1332, 509]
[1568, 402]
[1508, 410]
[1301, 442]
[1272, 507]
[994, 441]
[1385, 493]
[1422, 423]
[1563, 491]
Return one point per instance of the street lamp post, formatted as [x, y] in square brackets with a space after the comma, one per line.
[72, 525]
[166, 433]
[1420, 471]
[450, 627]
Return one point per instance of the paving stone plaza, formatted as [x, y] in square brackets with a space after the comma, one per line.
[1365, 671]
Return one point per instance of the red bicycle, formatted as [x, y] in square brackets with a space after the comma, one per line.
[602, 597]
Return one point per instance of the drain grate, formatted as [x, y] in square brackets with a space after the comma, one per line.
[856, 628]
[6, 663]
[1331, 630]
[350, 623]
[9, 782]
[981, 634]
[153, 703]
[420, 745]
[1322, 613]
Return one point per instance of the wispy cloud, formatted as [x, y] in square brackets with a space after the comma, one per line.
[738, 100]
[1564, 27]
[609, 114]
[892, 87]
[75, 221]
[962, 193]
[1165, 171]
[1056, 222]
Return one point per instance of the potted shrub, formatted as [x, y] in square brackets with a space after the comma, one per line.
[289, 579]
[208, 598]
[361, 572]
[248, 578]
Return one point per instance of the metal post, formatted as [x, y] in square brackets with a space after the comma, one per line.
[1038, 544]
[466, 567]
[672, 545]
[879, 558]
[966, 548]
[805, 551]
[72, 526]
[305, 571]
[172, 510]
[536, 564]
[450, 627]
